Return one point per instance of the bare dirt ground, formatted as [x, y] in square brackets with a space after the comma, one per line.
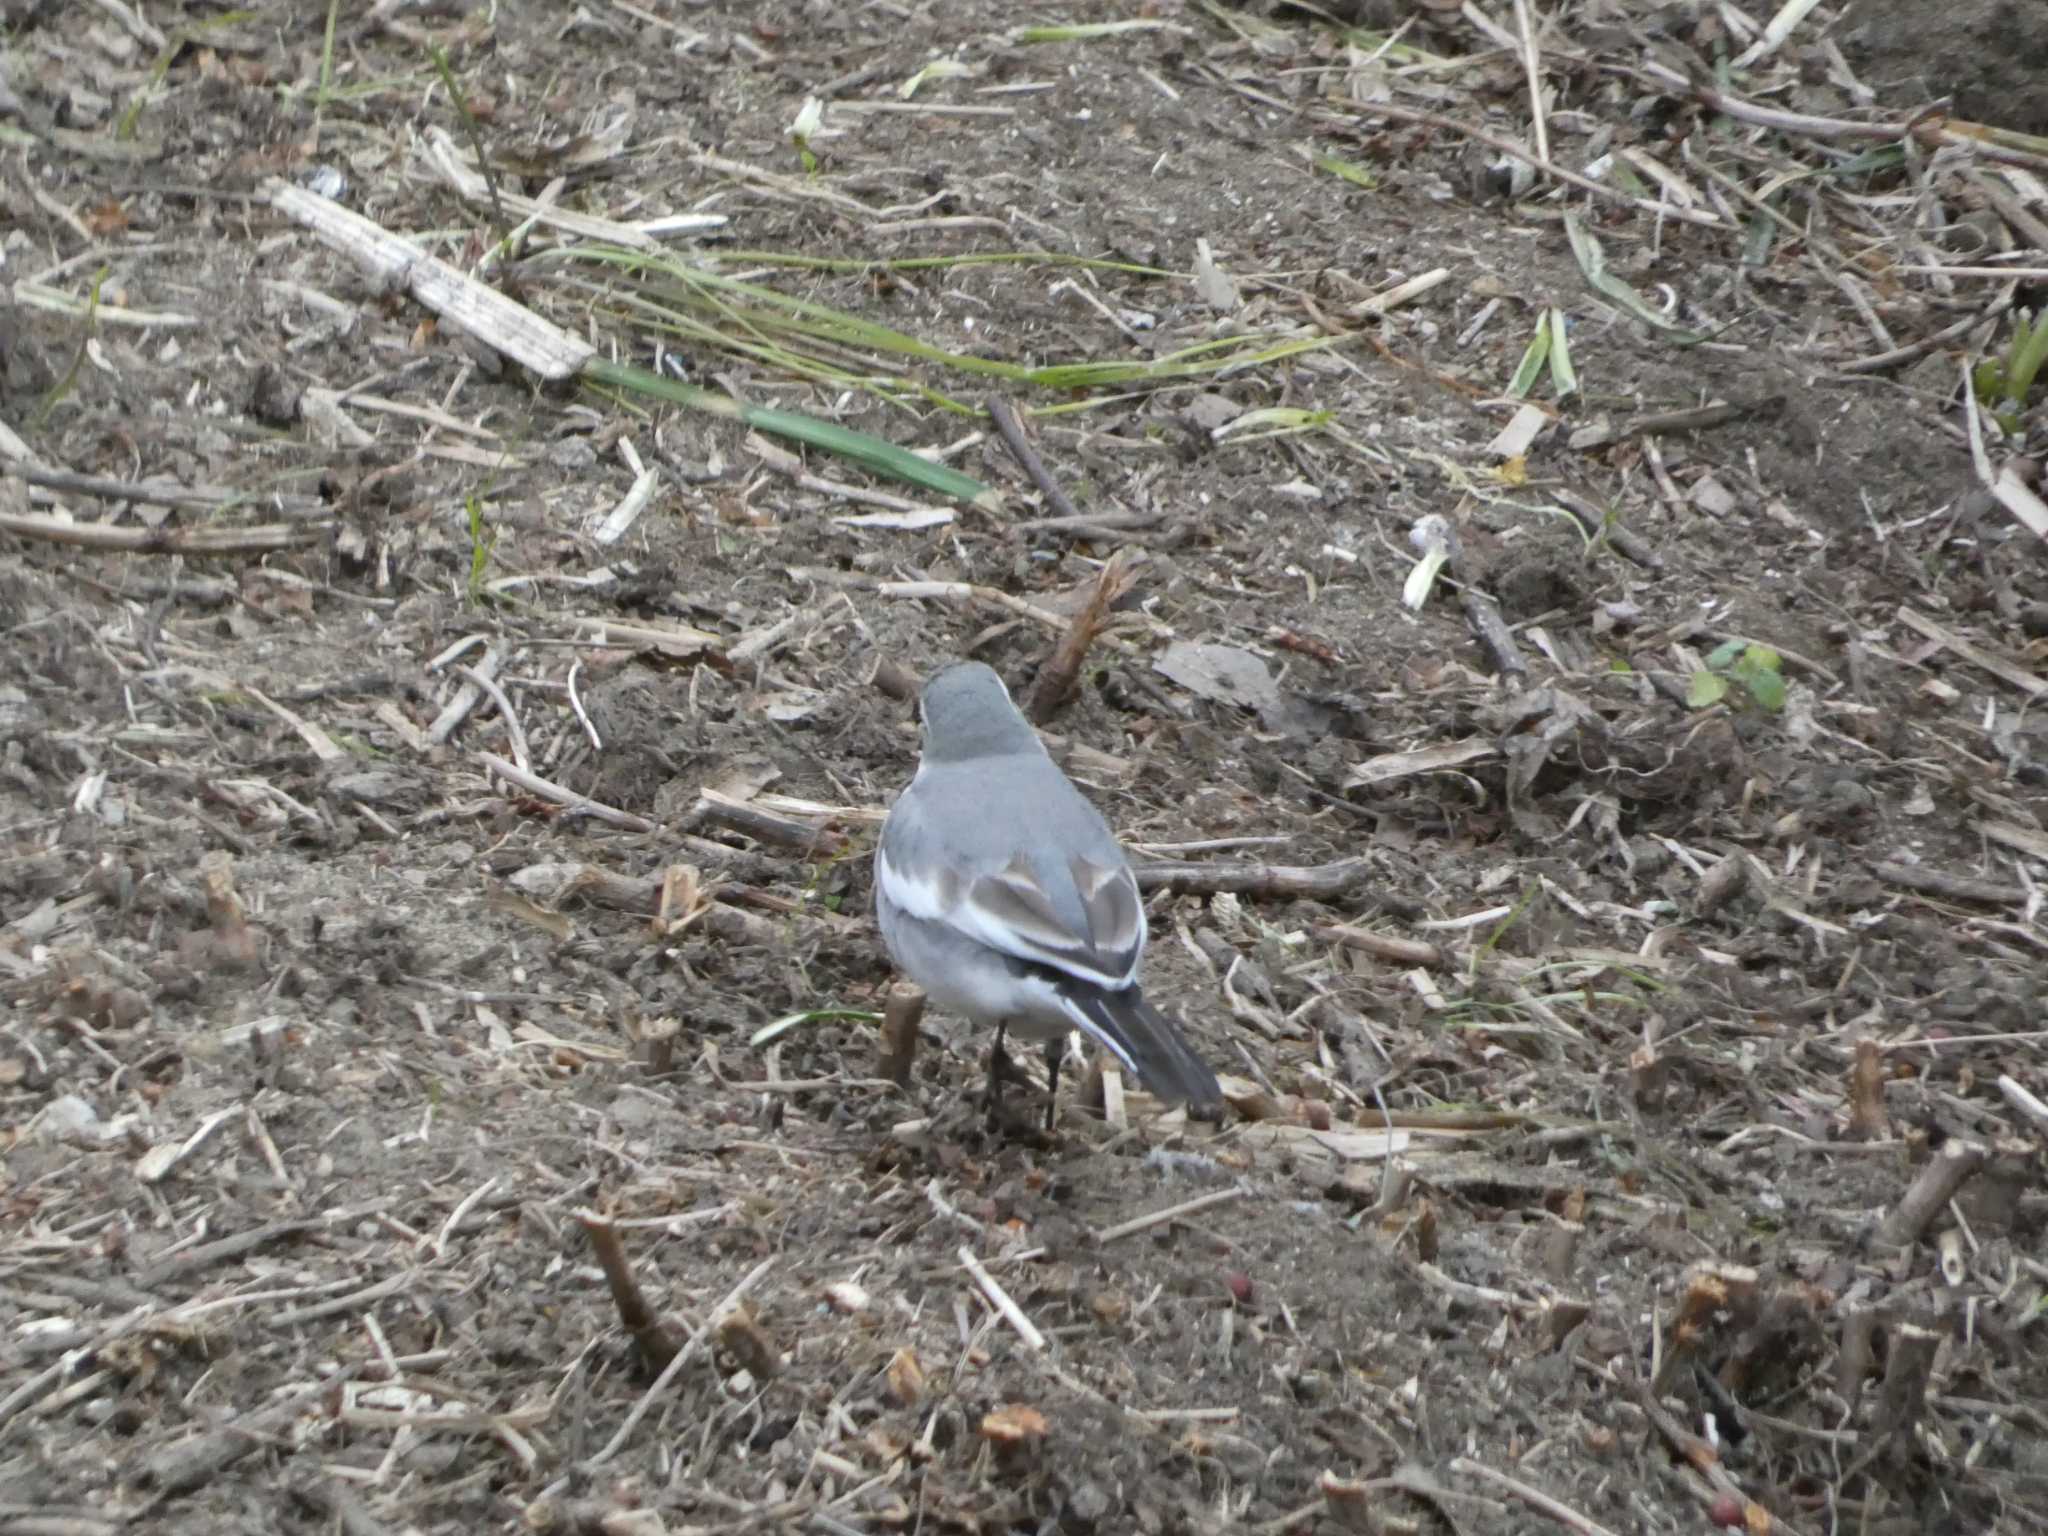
[1688, 947]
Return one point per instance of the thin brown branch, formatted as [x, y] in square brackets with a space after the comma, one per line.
[2025, 223]
[1595, 523]
[811, 840]
[690, 1350]
[1011, 426]
[900, 1018]
[1315, 882]
[656, 1344]
[1482, 613]
[1929, 1194]
[256, 539]
[1056, 678]
[221, 1249]
[546, 789]
[168, 493]
[1088, 522]
[171, 1470]
[1507, 146]
[1932, 882]
[1930, 127]
[1706, 1461]
[1383, 946]
[1867, 1119]
[1912, 352]
[1532, 1496]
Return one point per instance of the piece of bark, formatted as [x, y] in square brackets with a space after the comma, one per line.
[1056, 678]
[900, 1018]
[1946, 1172]
[1909, 1362]
[656, 1344]
[1867, 1119]
[1315, 882]
[1482, 613]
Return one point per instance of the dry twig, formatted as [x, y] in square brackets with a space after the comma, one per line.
[1929, 1194]
[256, 539]
[656, 1344]
[900, 1018]
[1056, 678]
[1002, 1301]
[1532, 1496]
[690, 1350]
[1312, 882]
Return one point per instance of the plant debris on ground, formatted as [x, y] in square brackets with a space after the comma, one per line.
[1528, 520]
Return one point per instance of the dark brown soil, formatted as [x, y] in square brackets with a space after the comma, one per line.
[1984, 58]
[324, 1040]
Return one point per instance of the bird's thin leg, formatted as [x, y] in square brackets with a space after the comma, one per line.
[997, 1060]
[1055, 1053]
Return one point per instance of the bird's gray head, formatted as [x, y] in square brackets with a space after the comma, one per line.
[968, 714]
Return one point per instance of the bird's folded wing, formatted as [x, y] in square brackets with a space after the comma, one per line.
[1093, 930]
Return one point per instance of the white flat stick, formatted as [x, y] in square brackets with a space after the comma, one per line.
[1171, 1213]
[627, 512]
[2023, 1101]
[1000, 1300]
[547, 789]
[455, 296]
[463, 1207]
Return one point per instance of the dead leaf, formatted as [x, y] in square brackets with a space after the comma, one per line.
[906, 1378]
[1230, 675]
[1014, 1424]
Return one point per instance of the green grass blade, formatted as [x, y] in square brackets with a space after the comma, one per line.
[670, 290]
[1534, 356]
[1564, 378]
[1087, 31]
[872, 453]
[1593, 263]
[1350, 170]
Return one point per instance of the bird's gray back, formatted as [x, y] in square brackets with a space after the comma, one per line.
[998, 810]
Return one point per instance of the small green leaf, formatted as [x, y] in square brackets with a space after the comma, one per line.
[1868, 163]
[1759, 673]
[937, 69]
[1350, 170]
[1723, 655]
[2029, 356]
[1756, 241]
[1533, 358]
[1707, 688]
[767, 1034]
[1767, 688]
[1593, 264]
[1563, 377]
[1086, 32]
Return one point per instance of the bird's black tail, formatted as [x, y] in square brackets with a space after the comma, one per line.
[1146, 1041]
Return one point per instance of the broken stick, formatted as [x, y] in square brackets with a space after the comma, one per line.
[1056, 677]
[900, 1017]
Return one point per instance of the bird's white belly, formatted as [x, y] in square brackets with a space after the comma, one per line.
[962, 977]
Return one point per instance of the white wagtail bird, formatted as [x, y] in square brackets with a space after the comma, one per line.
[1003, 893]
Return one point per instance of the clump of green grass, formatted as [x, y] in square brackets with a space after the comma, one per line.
[1754, 672]
[1548, 348]
[131, 115]
[57, 392]
[483, 543]
[2004, 384]
[802, 338]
